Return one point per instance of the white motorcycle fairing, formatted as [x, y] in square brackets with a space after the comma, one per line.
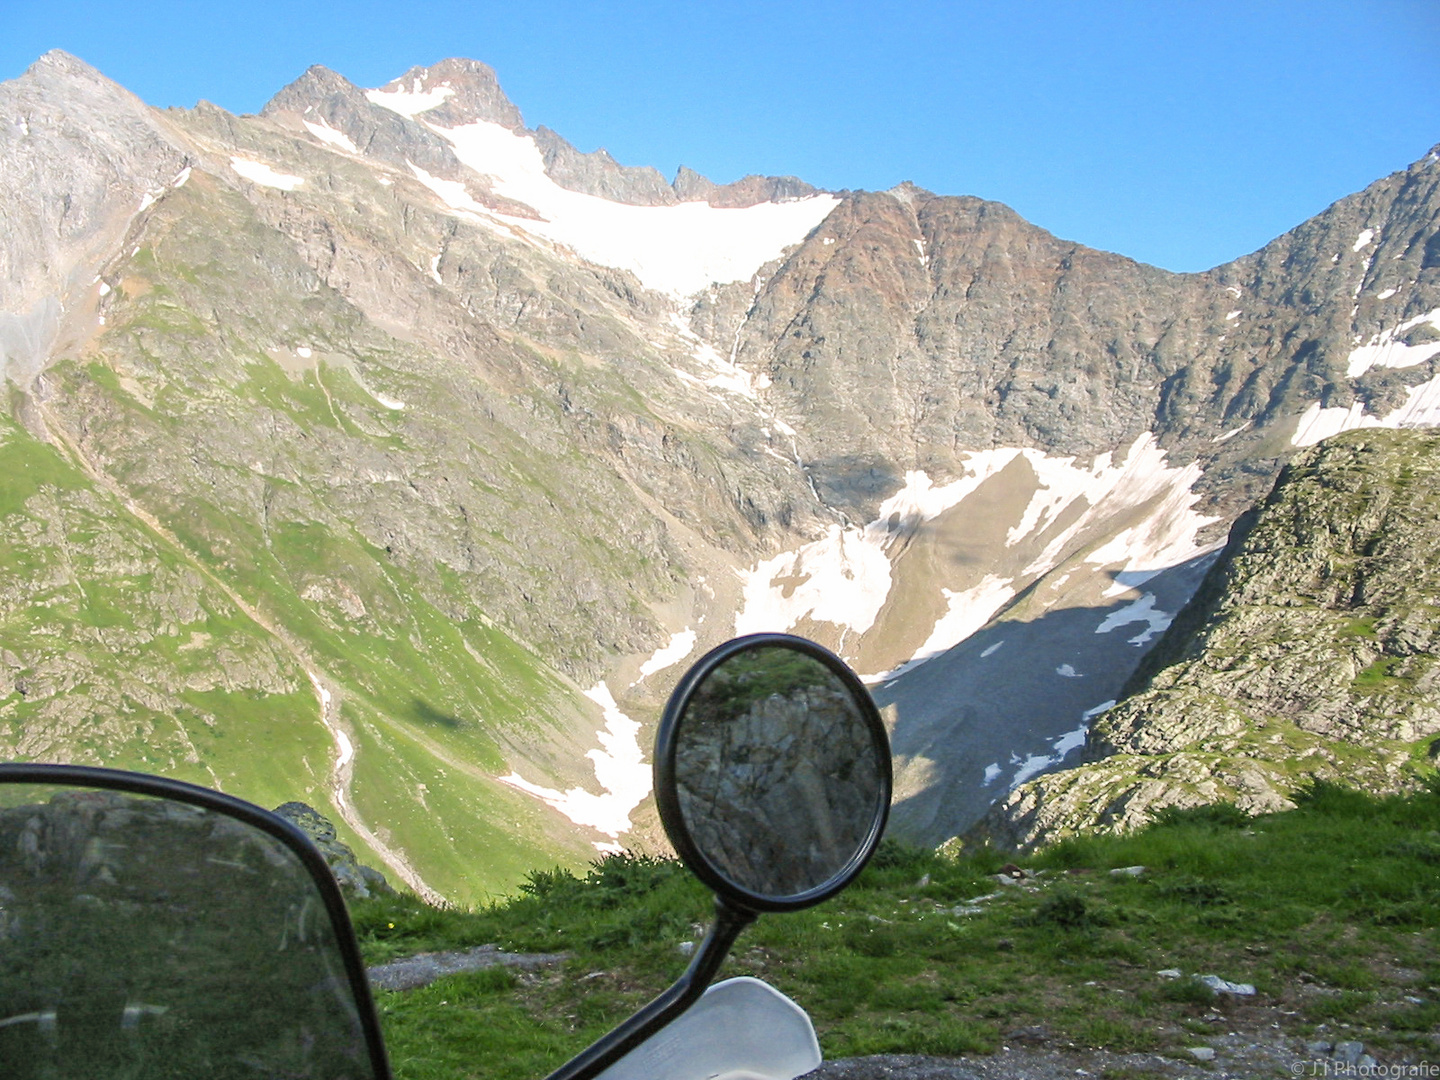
[740, 1029]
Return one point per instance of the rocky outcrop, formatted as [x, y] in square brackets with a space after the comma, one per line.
[353, 876]
[1311, 651]
[597, 173]
[690, 186]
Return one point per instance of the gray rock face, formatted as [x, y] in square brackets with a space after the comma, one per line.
[78, 155]
[1309, 651]
[600, 174]
[911, 327]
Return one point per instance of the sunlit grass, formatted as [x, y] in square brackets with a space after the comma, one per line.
[1307, 898]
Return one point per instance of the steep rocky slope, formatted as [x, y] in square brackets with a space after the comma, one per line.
[1309, 652]
[449, 443]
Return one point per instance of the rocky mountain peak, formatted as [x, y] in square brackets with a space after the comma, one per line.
[63, 63]
[59, 75]
[908, 192]
[78, 155]
[317, 85]
[467, 91]
[405, 121]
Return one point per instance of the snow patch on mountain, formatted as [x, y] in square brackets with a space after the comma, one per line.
[1061, 747]
[1141, 611]
[1421, 409]
[620, 769]
[844, 577]
[326, 134]
[1165, 537]
[967, 611]
[410, 103]
[257, 172]
[677, 249]
[1384, 351]
[725, 374]
[841, 578]
[452, 193]
[678, 648]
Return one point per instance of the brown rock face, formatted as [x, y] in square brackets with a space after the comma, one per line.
[914, 327]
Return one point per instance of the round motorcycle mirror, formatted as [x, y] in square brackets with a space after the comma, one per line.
[772, 772]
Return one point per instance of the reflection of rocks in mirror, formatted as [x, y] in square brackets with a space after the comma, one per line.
[778, 774]
[142, 936]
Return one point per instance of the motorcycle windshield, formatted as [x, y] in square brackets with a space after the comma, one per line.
[147, 937]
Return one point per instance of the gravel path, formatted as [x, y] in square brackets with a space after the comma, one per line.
[1019, 1063]
[424, 968]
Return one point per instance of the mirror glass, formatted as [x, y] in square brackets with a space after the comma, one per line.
[145, 937]
[781, 772]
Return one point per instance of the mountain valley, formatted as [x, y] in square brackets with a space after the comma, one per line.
[381, 453]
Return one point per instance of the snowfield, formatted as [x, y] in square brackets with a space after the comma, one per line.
[679, 249]
[844, 577]
[257, 172]
[620, 770]
[1384, 351]
[1421, 409]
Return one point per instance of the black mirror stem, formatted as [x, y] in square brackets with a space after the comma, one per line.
[679, 996]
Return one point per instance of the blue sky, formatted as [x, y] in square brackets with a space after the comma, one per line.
[1180, 133]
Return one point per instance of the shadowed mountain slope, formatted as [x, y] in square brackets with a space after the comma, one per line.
[1309, 652]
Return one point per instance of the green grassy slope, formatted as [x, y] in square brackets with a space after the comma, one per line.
[118, 653]
[300, 525]
[1331, 911]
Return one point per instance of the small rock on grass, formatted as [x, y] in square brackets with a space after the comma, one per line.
[1353, 1053]
[1224, 986]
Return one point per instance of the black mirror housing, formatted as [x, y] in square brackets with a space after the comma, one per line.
[152, 928]
[772, 772]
